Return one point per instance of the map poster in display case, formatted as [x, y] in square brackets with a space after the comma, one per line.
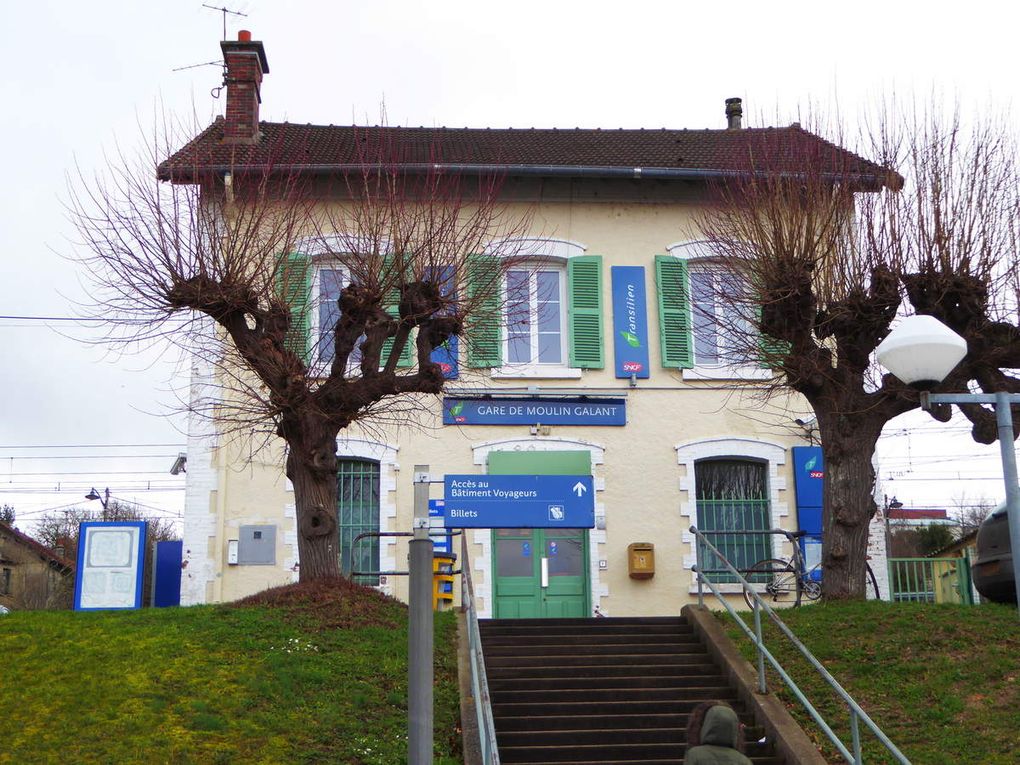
[111, 565]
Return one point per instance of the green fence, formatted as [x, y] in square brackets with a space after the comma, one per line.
[930, 580]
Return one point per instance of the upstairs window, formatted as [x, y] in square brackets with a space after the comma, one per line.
[704, 323]
[540, 318]
[536, 316]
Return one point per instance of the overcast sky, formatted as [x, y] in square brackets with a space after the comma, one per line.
[79, 77]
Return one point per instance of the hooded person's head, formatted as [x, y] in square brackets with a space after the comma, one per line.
[714, 723]
[721, 727]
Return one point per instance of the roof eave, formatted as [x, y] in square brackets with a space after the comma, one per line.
[863, 181]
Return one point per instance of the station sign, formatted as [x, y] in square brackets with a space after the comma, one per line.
[519, 501]
[532, 411]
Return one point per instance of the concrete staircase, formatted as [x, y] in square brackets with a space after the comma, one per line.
[611, 691]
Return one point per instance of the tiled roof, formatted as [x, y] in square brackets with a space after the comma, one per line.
[40, 549]
[558, 151]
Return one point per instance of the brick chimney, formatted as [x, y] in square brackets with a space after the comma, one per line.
[734, 111]
[246, 63]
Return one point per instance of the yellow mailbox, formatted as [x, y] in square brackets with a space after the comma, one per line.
[442, 580]
[641, 560]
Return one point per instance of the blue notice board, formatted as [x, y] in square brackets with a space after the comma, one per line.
[111, 564]
[534, 411]
[630, 321]
[519, 501]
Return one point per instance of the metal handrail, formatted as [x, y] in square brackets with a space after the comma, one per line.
[479, 680]
[755, 635]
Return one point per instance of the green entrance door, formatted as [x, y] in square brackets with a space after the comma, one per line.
[540, 573]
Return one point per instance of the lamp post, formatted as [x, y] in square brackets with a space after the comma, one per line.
[104, 501]
[921, 352]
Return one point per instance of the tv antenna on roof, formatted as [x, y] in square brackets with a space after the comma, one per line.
[224, 10]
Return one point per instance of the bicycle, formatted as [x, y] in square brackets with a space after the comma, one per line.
[786, 580]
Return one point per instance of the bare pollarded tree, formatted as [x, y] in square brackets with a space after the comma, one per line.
[830, 257]
[405, 258]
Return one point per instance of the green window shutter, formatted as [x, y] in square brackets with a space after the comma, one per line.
[294, 283]
[585, 298]
[391, 302]
[769, 348]
[485, 346]
[676, 341]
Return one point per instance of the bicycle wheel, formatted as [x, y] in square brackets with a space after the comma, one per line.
[780, 580]
[874, 582]
[812, 589]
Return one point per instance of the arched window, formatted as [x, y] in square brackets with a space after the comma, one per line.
[357, 513]
[733, 495]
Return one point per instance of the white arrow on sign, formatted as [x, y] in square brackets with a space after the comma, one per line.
[580, 489]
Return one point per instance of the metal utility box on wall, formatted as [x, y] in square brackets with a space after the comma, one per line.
[256, 546]
[641, 560]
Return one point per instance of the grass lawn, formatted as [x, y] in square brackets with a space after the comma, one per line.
[942, 681]
[296, 675]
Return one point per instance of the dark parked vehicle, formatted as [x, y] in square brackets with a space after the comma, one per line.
[993, 568]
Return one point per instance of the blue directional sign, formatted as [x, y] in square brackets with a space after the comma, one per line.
[519, 501]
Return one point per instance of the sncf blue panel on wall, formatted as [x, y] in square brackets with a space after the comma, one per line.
[630, 321]
[166, 574]
[809, 480]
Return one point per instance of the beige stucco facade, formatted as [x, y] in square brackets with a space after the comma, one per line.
[643, 471]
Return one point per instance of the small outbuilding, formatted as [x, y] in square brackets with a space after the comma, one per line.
[32, 576]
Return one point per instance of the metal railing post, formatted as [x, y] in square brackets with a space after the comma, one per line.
[761, 647]
[855, 733]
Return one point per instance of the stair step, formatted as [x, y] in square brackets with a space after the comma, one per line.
[510, 723]
[581, 638]
[601, 670]
[604, 753]
[671, 737]
[615, 721]
[613, 659]
[591, 649]
[589, 706]
[597, 623]
[497, 686]
[701, 693]
[583, 737]
[584, 629]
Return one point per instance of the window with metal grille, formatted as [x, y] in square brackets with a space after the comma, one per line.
[732, 495]
[357, 513]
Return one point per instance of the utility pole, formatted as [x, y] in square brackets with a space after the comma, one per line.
[420, 636]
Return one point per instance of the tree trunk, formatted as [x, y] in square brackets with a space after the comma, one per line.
[315, 494]
[849, 505]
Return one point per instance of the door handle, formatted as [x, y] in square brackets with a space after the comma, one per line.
[545, 572]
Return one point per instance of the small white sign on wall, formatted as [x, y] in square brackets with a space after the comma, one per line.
[111, 557]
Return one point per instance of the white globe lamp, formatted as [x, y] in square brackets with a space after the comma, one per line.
[921, 351]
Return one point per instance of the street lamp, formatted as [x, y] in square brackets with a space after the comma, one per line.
[921, 352]
[103, 500]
